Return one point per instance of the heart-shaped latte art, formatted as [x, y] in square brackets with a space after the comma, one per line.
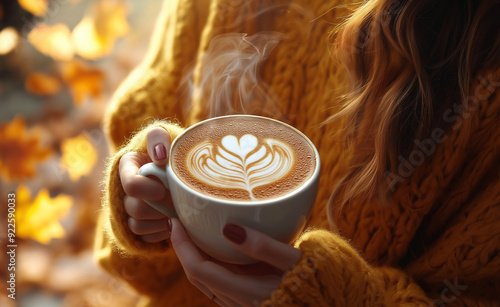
[243, 163]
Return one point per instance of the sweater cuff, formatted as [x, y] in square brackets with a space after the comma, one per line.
[116, 225]
[330, 273]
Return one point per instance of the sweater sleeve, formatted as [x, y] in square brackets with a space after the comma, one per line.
[332, 273]
[152, 269]
[115, 227]
[117, 249]
[154, 89]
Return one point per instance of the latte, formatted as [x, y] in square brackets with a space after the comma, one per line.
[243, 158]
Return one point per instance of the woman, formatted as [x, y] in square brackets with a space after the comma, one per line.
[410, 159]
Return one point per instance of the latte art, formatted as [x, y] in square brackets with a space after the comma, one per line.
[243, 163]
[243, 158]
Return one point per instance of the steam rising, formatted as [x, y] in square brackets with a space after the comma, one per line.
[227, 81]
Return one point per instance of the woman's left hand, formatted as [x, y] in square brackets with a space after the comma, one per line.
[235, 285]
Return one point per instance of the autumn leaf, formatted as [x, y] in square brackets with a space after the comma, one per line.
[95, 35]
[111, 19]
[82, 80]
[20, 151]
[38, 218]
[35, 7]
[8, 39]
[42, 84]
[79, 156]
[54, 41]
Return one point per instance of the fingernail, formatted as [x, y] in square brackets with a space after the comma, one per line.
[234, 233]
[160, 152]
[169, 225]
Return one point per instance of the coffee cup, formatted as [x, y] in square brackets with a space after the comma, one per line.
[241, 169]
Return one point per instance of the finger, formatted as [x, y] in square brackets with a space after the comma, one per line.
[262, 247]
[158, 145]
[184, 247]
[225, 301]
[200, 270]
[140, 210]
[136, 185]
[195, 264]
[204, 289]
[156, 237]
[140, 227]
[219, 298]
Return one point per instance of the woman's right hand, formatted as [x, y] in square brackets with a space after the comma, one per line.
[145, 221]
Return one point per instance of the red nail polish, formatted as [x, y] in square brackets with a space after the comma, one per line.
[234, 233]
[160, 152]
[169, 225]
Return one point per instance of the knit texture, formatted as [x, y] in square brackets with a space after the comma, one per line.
[437, 245]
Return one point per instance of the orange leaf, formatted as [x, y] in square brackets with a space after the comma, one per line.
[78, 156]
[54, 41]
[20, 151]
[96, 34]
[42, 84]
[39, 218]
[83, 81]
[35, 7]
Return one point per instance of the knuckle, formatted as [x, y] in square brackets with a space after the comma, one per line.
[258, 247]
[136, 208]
[130, 204]
[131, 186]
[194, 270]
[154, 238]
[140, 211]
[134, 226]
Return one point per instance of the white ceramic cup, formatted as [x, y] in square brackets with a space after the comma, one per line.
[204, 216]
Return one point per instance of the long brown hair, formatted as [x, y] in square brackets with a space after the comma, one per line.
[408, 61]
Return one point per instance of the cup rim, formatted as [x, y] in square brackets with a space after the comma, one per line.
[314, 176]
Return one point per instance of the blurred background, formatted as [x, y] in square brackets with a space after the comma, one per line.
[60, 62]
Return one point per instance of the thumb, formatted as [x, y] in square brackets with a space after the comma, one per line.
[158, 145]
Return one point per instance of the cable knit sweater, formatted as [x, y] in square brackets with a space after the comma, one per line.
[436, 245]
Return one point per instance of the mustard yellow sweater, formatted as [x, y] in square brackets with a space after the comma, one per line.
[437, 245]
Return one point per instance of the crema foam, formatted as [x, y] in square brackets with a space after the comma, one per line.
[243, 158]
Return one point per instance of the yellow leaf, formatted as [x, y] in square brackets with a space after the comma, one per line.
[82, 80]
[111, 19]
[35, 7]
[96, 33]
[20, 151]
[79, 156]
[54, 41]
[88, 44]
[8, 39]
[39, 218]
[42, 84]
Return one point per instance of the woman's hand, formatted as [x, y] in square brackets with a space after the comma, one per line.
[235, 285]
[145, 221]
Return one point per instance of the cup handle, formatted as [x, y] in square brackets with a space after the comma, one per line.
[150, 169]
